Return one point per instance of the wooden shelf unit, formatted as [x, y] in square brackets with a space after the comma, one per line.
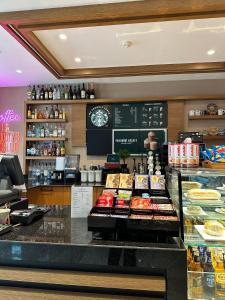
[45, 121]
[41, 157]
[207, 117]
[31, 139]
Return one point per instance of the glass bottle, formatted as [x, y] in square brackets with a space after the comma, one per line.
[58, 93]
[88, 92]
[46, 93]
[33, 93]
[62, 149]
[29, 92]
[42, 93]
[50, 93]
[78, 92]
[55, 132]
[62, 92]
[92, 92]
[54, 93]
[29, 131]
[59, 129]
[46, 114]
[220, 278]
[83, 92]
[60, 113]
[196, 277]
[209, 277]
[51, 114]
[56, 112]
[66, 93]
[42, 132]
[46, 130]
[29, 113]
[70, 93]
[38, 92]
[74, 93]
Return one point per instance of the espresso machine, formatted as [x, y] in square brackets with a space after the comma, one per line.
[72, 169]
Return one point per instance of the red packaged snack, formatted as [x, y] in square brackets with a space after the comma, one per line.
[140, 203]
[122, 203]
[105, 201]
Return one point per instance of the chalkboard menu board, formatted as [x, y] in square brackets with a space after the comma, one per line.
[125, 116]
[140, 115]
[153, 115]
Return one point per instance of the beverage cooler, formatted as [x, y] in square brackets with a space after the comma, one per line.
[201, 192]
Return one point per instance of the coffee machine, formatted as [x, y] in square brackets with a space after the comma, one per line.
[72, 169]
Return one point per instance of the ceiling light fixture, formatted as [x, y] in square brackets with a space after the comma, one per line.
[19, 71]
[211, 52]
[77, 59]
[62, 36]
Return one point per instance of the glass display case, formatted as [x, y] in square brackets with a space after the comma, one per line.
[201, 193]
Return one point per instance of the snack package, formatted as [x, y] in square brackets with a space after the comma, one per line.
[123, 199]
[113, 181]
[157, 182]
[105, 201]
[126, 181]
[141, 182]
[140, 203]
[214, 154]
[109, 192]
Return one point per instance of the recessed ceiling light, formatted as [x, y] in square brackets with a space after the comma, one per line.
[62, 36]
[77, 59]
[19, 71]
[211, 52]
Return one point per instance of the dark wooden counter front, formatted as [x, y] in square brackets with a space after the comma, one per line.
[57, 256]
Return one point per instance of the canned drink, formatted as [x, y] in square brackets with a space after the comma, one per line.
[183, 157]
[177, 155]
[171, 155]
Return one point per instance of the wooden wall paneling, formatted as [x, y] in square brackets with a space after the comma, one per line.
[78, 121]
[175, 119]
[85, 279]
[12, 293]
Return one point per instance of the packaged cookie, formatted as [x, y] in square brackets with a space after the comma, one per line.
[126, 181]
[113, 181]
[141, 182]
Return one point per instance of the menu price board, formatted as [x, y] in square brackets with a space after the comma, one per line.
[153, 115]
[125, 115]
[140, 115]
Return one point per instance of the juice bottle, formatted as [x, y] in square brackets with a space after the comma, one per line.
[220, 278]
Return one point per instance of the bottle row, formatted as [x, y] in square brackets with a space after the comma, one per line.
[41, 173]
[46, 149]
[61, 92]
[53, 112]
[206, 268]
[46, 131]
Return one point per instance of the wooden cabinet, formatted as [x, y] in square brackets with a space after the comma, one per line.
[56, 195]
[50, 195]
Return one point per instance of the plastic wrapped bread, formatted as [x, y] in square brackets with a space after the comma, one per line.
[203, 194]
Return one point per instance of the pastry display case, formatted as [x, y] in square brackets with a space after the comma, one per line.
[201, 193]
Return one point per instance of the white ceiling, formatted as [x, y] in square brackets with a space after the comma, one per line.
[200, 36]
[16, 5]
[169, 42]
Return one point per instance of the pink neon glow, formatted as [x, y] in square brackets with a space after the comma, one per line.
[9, 116]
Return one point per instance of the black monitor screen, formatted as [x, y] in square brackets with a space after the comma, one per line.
[11, 166]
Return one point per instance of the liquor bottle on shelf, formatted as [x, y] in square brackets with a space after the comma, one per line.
[70, 93]
[92, 92]
[40, 115]
[58, 95]
[64, 114]
[38, 92]
[33, 93]
[55, 132]
[60, 113]
[74, 93]
[33, 114]
[63, 131]
[62, 149]
[33, 150]
[51, 114]
[46, 93]
[54, 96]
[66, 93]
[78, 92]
[88, 92]
[59, 129]
[83, 92]
[42, 132]
[50, 93]
[29, 93]
[29, 113]
[29, 131]
[46, 113]
[46, 130]
[62, 92]
[37, 132]
[42, 93]
[56, 112]
[58, 153]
